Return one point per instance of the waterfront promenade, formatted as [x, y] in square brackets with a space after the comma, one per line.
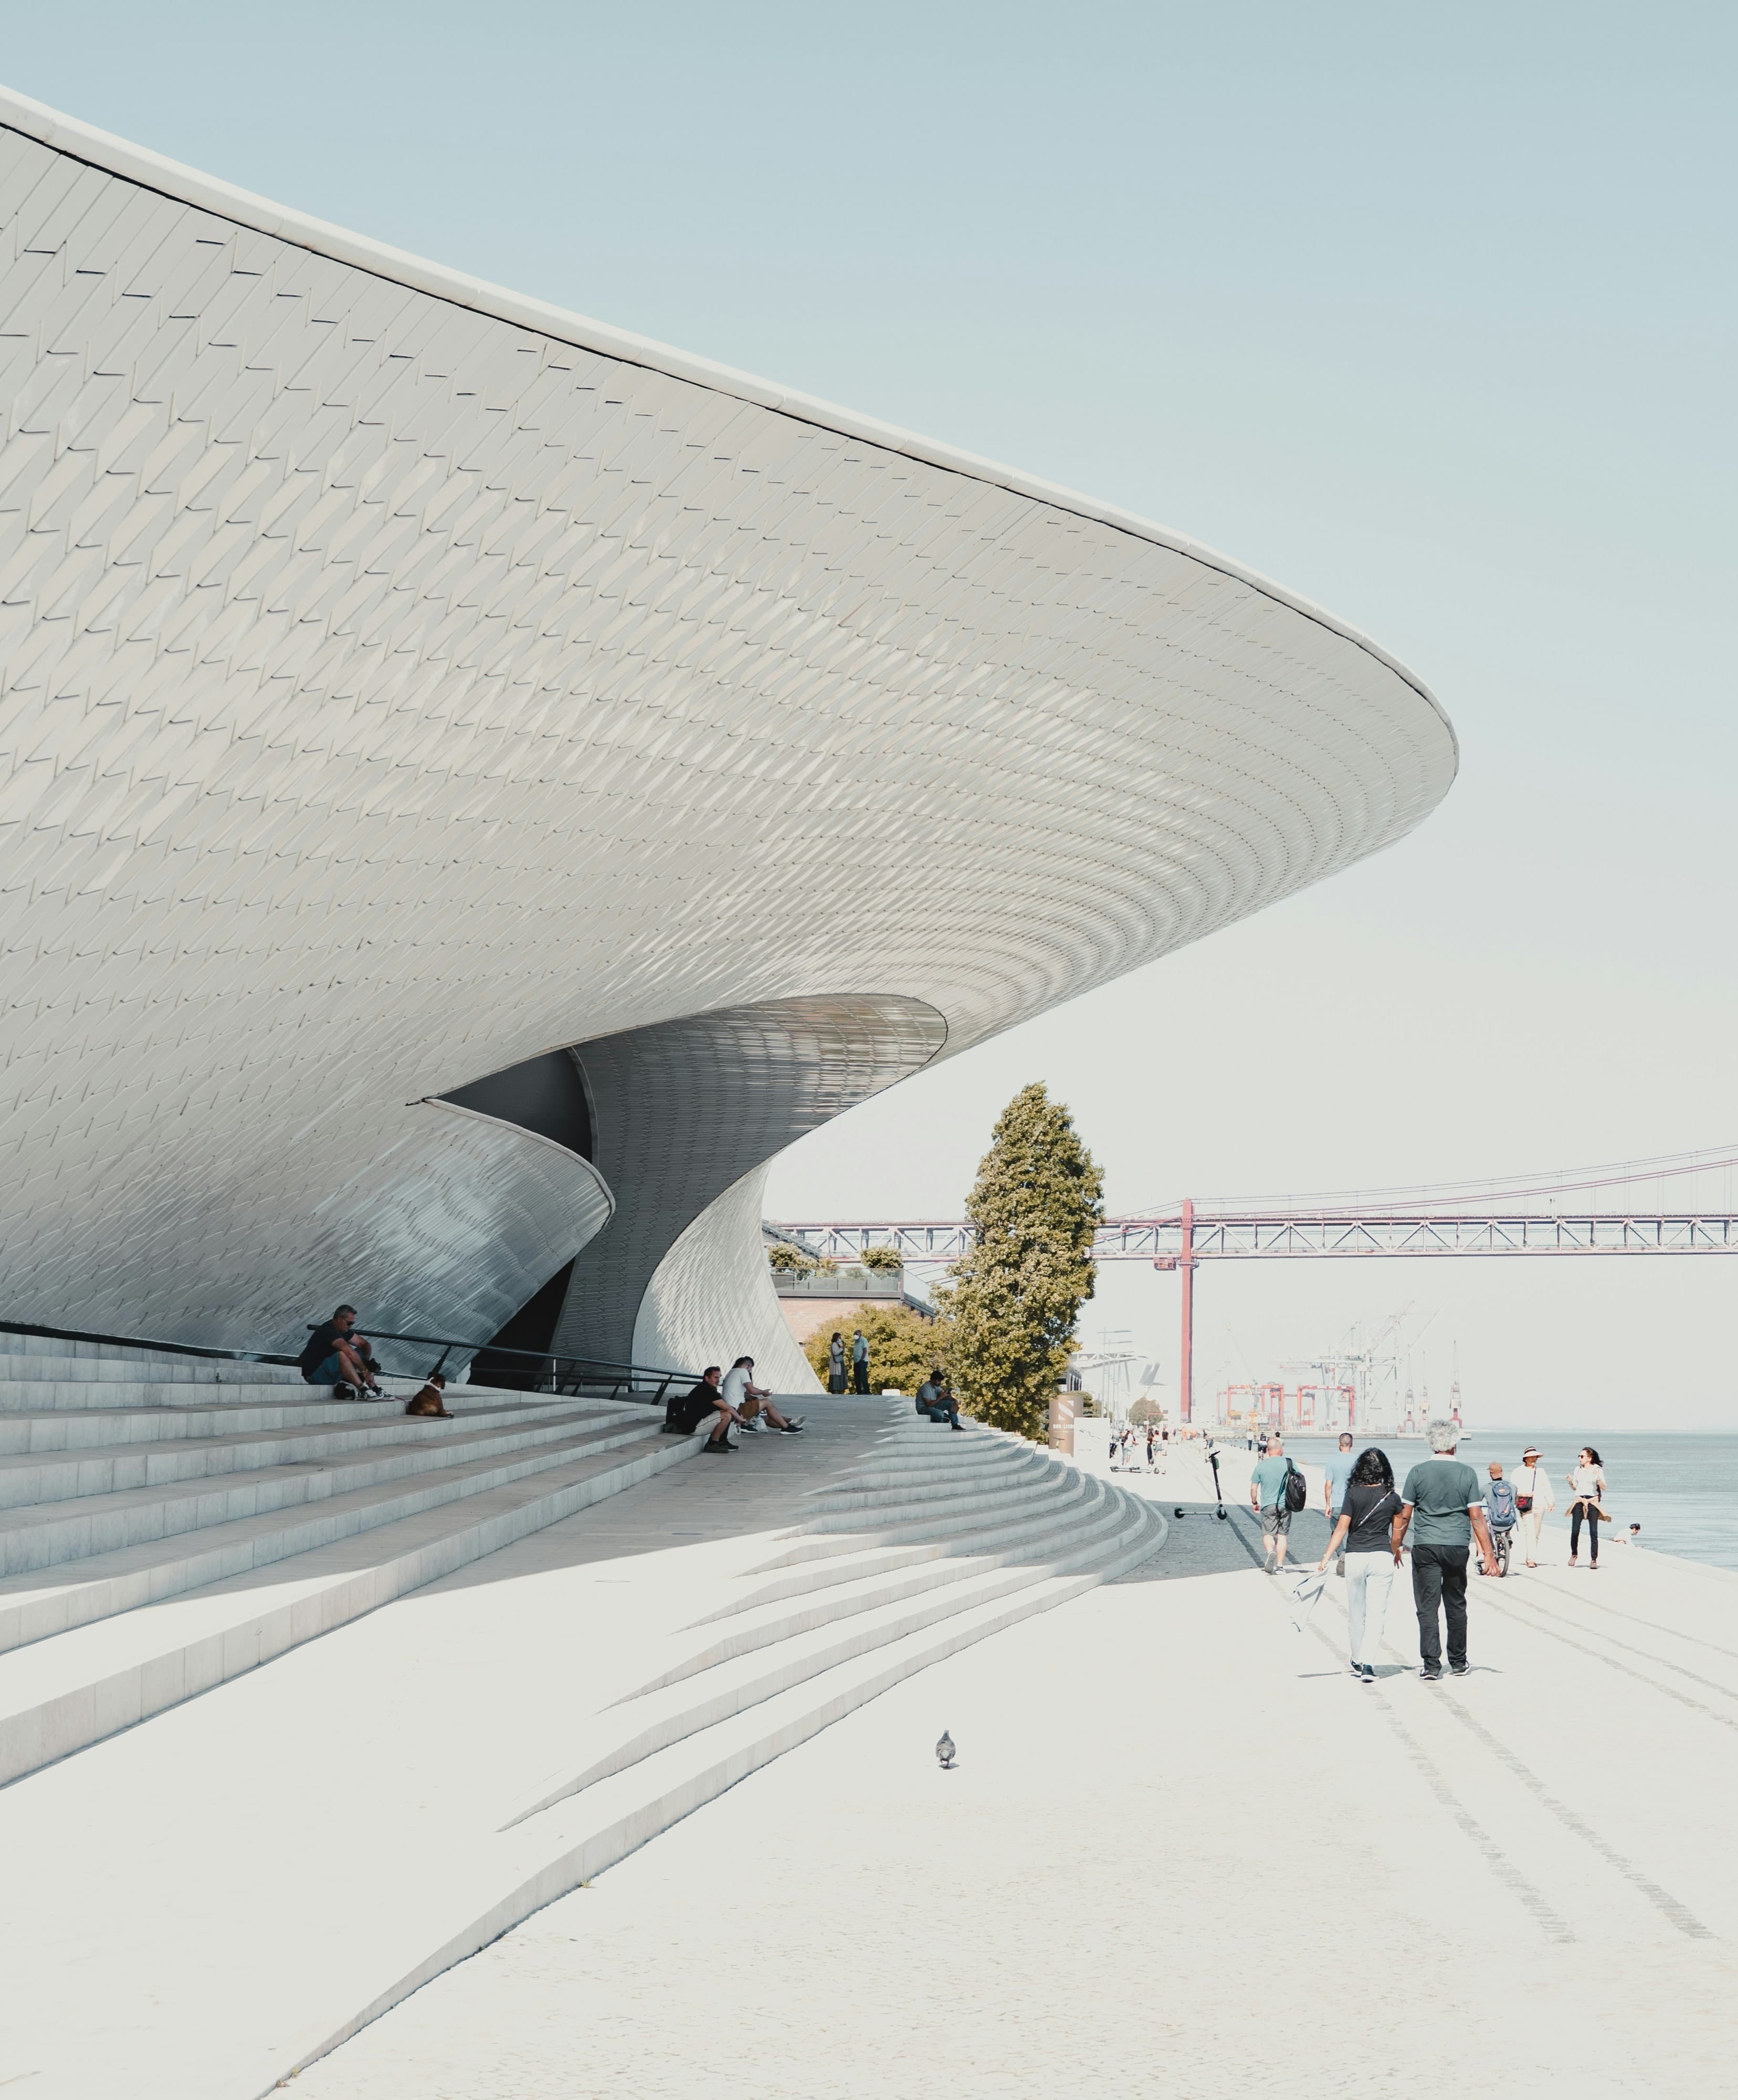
[1183, 1851]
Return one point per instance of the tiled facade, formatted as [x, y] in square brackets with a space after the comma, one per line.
[399, 680]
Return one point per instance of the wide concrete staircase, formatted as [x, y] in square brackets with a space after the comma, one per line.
[933, 1542]
[168, 1523]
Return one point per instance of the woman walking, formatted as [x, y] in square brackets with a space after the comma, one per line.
[1588, 1482]
[1533, 1497]
[835, 1364]
[1364, 1532]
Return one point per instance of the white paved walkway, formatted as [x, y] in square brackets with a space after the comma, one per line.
[1183, 1853]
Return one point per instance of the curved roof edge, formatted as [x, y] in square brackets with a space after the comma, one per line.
[119, 157]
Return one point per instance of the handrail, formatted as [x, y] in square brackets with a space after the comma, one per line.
[142, 1342]
[633, 1378]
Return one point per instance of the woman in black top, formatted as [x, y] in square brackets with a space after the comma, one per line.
[1369, 1510]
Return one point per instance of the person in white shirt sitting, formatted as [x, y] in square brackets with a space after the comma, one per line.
[749, 1401]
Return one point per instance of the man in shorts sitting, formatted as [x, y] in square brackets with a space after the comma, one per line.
[338, 1355]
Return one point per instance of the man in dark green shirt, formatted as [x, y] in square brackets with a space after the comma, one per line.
[1443, 1502]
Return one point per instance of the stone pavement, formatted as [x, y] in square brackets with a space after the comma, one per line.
[1183, 1852]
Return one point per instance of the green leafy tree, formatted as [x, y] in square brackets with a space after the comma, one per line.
[790, 1260]
[883, 1261]
[1145, 1411]
[1015, 1297]
[903, 1344]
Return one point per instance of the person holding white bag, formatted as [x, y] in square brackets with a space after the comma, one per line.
[1532, 1498]
[1365, 1533]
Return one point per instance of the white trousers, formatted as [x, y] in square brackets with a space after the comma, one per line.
[1527, 1528]
[1369, 1581]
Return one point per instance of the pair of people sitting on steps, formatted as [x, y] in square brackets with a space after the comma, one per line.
[733, 1398]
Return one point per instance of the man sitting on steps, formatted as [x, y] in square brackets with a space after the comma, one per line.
[936, 1401]
[338, 1356]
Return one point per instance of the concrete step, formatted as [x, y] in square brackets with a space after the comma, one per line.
[52, 1534]
[20, 1354]
[822, 1602]
[42, 1603]
[986, 1523]
[61, 1694]
[112, 1468]
[916, 1491]
[154, 1421]
[894, 1516]
[675, 1706]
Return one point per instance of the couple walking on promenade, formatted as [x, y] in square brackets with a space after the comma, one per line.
[1442, 1506]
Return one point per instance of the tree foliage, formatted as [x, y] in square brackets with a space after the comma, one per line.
[1145, 1411]
[882, 1260]
[902, 1345]
[1015, 1297]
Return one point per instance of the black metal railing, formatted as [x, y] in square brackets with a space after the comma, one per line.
[535, 1370]
[547, 1370]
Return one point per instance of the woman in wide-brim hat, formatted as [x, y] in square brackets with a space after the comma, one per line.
[1532, 1498]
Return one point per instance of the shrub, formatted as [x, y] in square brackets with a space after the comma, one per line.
[902, 1345]
[790, 1260]
[883, 1261]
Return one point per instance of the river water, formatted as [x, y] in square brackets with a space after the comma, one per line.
[1682, 1489]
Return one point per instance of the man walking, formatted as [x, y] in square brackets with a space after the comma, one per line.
[1444, 1497]
[1336, 1469]
[859, 1362]
[1267, 1497]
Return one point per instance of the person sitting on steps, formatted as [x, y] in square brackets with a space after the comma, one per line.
[684, 1413]
[934, 1399]
[749, 1400]
[338, 1356]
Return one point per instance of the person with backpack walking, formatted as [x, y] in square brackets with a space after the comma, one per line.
[1363, 1534]
[1271, 1496]
[1444, 1495]
[1533, 1498]
[1501, 1515]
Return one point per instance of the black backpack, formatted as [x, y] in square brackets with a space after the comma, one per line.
[1296, 1492]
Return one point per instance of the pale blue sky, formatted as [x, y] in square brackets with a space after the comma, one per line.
[1428, 312]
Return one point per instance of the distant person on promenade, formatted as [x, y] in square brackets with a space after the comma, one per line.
[1337, 1468]
[1364, 1536]
[859, 1362]
[1533, 1496]
[1588, 1483]
[1267, 1497]
[1445, 1497]
[835, 1363]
